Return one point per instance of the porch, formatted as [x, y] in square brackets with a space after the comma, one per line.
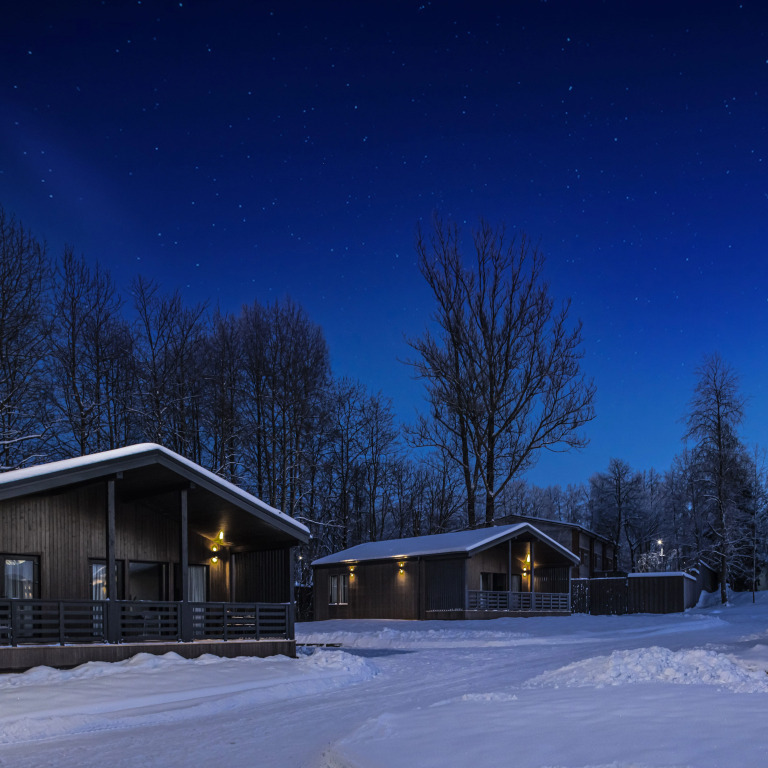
[65, 633]
[62, 622]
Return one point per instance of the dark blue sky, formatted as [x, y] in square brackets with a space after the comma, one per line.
[252, 150]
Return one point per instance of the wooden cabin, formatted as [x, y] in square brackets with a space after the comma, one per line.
[139, 549]
[513, 570]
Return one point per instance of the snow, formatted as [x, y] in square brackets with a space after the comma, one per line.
[656, 574]
[638, 691]
[439, 543]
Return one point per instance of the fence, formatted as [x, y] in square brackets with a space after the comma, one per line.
[46, 622]
[634, 593]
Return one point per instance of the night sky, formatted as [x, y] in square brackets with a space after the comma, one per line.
[252, 150]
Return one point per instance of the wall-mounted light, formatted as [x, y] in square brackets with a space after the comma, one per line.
[528, 558]
[220, 537]
[214, 559]
[215, 548]
[401, 567]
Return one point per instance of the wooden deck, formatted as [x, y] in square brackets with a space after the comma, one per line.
[66, 656]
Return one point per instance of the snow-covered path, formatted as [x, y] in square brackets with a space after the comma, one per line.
[643, 691]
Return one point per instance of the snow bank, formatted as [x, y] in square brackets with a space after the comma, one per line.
[149, 689]
[389, 637]
[654, 665]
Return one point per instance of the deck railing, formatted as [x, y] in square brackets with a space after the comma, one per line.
[485, 600]
[47, 622]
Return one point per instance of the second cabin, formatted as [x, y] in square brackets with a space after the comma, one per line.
[512, 569]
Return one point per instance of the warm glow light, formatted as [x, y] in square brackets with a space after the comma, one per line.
[659, 542]
[528, 558]
[215, 548]
[221, 535]
[214, 559]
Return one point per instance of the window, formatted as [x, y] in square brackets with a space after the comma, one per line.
[99, 579]
[493, 582]
[339, 589]
[198, 583]
[19, 577]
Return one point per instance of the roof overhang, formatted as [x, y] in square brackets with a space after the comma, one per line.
[148, 470]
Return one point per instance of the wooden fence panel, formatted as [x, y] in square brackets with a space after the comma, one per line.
[580, 596]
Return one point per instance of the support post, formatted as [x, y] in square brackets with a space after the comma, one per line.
[185, 630]
[113, 609]
[290, 628]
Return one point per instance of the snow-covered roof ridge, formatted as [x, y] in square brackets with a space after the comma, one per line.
[439, 543]
[114, 456]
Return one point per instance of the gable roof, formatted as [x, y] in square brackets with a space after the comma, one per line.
[457, 542]
[144, 456]
[558, 523]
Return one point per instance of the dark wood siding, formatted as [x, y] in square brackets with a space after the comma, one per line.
[444, 584]
[548, 579]
[263, 576]
[376, 591]
[64, 530]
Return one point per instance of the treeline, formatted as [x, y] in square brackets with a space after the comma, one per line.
[251, 396]
[248, 395]
[711, 504]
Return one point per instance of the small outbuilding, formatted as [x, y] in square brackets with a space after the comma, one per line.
[513, 570]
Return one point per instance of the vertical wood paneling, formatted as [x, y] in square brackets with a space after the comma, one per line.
[263, 576]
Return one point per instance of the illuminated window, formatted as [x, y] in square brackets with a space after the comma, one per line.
[338, 589]
[19, 577]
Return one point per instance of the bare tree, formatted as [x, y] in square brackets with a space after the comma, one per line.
[24, 395]
[222, 415]
[503, 377]
[442, 362]
[379, 440]
[285, 378]
[167, 352]
[85, 345]
[617, 500]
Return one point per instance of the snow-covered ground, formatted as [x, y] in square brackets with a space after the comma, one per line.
[585, 691]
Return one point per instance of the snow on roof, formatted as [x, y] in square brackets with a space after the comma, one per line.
[656, 574]
[440, 543]
[81, 462]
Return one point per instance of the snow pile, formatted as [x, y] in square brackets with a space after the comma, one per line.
[390, 637]
[149, 690]
[659, 665]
